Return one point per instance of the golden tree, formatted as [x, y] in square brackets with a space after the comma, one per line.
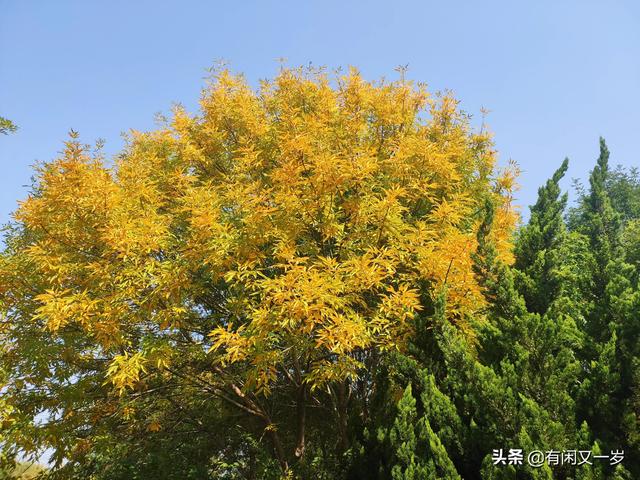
[269, 243]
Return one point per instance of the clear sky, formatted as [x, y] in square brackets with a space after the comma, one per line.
[554, 74]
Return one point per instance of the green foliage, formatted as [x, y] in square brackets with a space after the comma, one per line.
[537, 245]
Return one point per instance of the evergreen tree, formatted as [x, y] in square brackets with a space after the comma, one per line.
[601, 224]
[537, 245]
[417, 450]
[607, 397]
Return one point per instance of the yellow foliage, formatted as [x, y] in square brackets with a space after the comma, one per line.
[124, 370]
[154, 426]
[301, 222]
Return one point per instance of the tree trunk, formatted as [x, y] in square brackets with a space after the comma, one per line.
[302, 421]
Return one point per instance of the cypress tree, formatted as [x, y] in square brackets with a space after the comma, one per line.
[608, 393]
[537, 244]
[418, 452]
[601, 224]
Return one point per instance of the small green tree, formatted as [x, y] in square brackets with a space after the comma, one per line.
[418, 452]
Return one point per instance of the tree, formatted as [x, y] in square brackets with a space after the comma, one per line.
[418, 451]
[607, 398]
[538, 241]
[241, 269]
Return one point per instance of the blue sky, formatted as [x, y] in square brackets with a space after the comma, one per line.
[554, 74]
